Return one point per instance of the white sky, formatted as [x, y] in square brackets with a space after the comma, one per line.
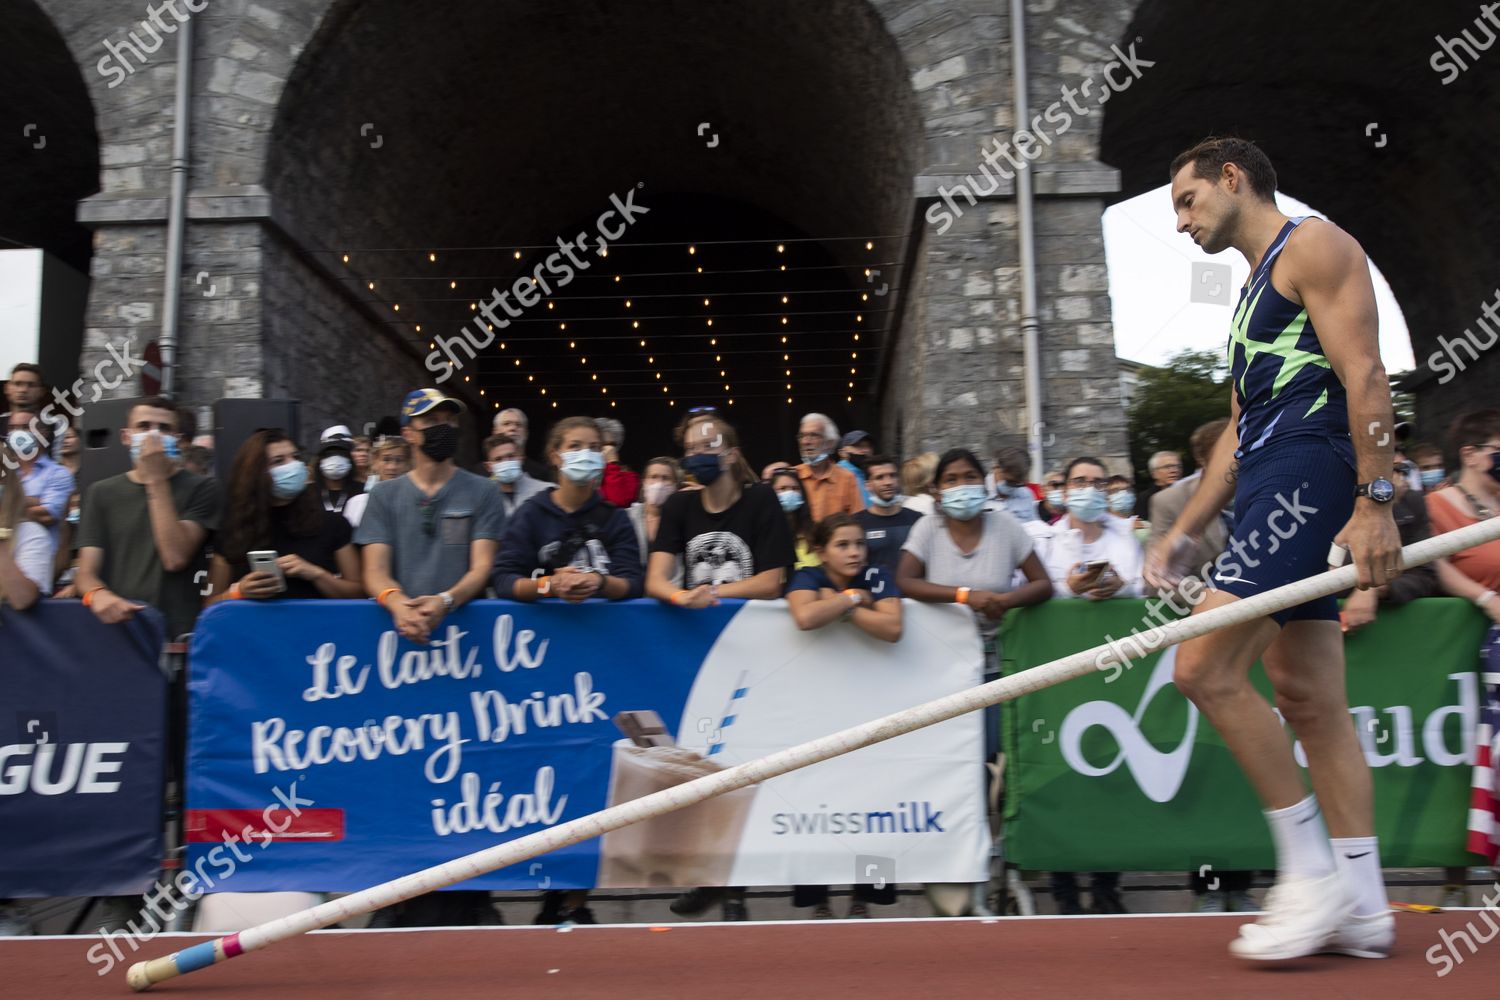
[20, 306]
[1150, 279]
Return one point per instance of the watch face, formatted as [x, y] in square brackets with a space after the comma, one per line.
[1382, 491]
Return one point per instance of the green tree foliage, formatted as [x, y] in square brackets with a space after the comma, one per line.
[1172, 401]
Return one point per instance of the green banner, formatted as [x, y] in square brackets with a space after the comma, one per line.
[1117, 771]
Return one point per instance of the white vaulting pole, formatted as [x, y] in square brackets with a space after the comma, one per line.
[144, 974]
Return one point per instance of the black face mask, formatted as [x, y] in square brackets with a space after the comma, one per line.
[859, 461]
[1495, 466]
[439, 442]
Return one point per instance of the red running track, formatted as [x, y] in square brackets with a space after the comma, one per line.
[1098, 958]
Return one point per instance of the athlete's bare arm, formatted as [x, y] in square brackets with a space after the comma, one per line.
[1328, 273]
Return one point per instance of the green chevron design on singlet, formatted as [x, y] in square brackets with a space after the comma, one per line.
[1293, 358]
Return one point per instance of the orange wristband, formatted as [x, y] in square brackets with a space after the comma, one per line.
[961, 596]
[544, 585]
[233, 593]
[88, 599]
[387, 592]
[677, 597]
[853, 596]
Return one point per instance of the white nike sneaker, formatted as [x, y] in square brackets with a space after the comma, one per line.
[1372, 935]
[1300, 916]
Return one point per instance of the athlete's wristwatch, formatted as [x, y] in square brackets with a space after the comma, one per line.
[1379, 490]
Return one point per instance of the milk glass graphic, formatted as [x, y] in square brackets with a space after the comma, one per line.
[689, 847]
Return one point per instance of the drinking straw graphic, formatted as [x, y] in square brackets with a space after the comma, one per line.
[727, 717]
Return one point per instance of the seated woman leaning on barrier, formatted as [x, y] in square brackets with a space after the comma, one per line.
[26, 548]
[569, 542]
[272, 509]
[732, 539]
[844, 587]
[731, 535]
[965, 554]
[1474, 574]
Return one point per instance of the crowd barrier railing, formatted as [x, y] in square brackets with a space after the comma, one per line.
[1118, 771]
[325, 754]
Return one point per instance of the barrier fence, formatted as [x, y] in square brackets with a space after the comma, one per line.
[326, 755]
[401, 756]
[1125, 774]
[82, 751]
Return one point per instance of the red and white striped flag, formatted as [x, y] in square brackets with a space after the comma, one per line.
[1484, 795]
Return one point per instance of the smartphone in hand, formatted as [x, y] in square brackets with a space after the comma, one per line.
[264, 561]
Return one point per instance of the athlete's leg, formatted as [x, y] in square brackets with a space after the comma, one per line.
[1305, 665]
[1306, 668]
[1213, 673]
[1310, 902]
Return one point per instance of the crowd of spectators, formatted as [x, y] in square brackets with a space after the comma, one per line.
[399, 520]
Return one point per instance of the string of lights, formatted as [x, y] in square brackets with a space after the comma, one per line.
[606, 332]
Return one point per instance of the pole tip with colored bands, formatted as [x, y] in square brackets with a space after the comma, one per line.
[143, 975]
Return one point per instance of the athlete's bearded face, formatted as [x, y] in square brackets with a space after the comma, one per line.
[1205, 210]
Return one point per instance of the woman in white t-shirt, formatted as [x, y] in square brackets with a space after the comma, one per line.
[26, 548]
[966, 554]
[1089, 553]
[969, 555]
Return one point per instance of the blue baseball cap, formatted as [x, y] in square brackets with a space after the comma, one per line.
[420, 401]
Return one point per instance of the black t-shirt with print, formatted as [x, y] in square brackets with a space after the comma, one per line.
[735, 544]
[333, 534]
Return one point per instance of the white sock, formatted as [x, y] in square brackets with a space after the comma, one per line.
[1358, 860]
[1302, 846]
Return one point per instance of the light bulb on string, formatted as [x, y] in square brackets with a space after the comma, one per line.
[432, 257]
[371, 286]
[346, 258]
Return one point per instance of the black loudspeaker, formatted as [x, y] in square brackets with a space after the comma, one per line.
[236, 419]
[99, 428]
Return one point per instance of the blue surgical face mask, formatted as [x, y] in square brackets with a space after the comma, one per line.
[507, 471]
[288, 479]
[583, 465]
[790, 500]
[896, 500]
[1055, 499]
[1122, 502]
[703, 467]
[75, 515]
[962, 503]
[1087, 504]
[168, 444]
[1005, 490]
[1431, 477]
[819, 457]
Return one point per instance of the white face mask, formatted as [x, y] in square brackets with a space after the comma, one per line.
[655, 494]
[335, 466]
[506, 471]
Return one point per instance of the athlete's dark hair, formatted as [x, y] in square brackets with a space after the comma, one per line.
[1210, 155]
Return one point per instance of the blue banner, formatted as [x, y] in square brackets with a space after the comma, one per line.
[328, 754]
[82, 749]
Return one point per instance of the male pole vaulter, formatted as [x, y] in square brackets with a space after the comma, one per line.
[1305, 361]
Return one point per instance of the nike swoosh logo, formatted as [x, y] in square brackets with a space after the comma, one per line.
[1351, 857]
[1233, 579]
[1308, 819]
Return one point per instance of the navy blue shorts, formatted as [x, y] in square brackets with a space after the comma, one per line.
[1289, 502]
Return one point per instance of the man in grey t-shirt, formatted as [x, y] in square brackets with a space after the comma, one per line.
[430, 536]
